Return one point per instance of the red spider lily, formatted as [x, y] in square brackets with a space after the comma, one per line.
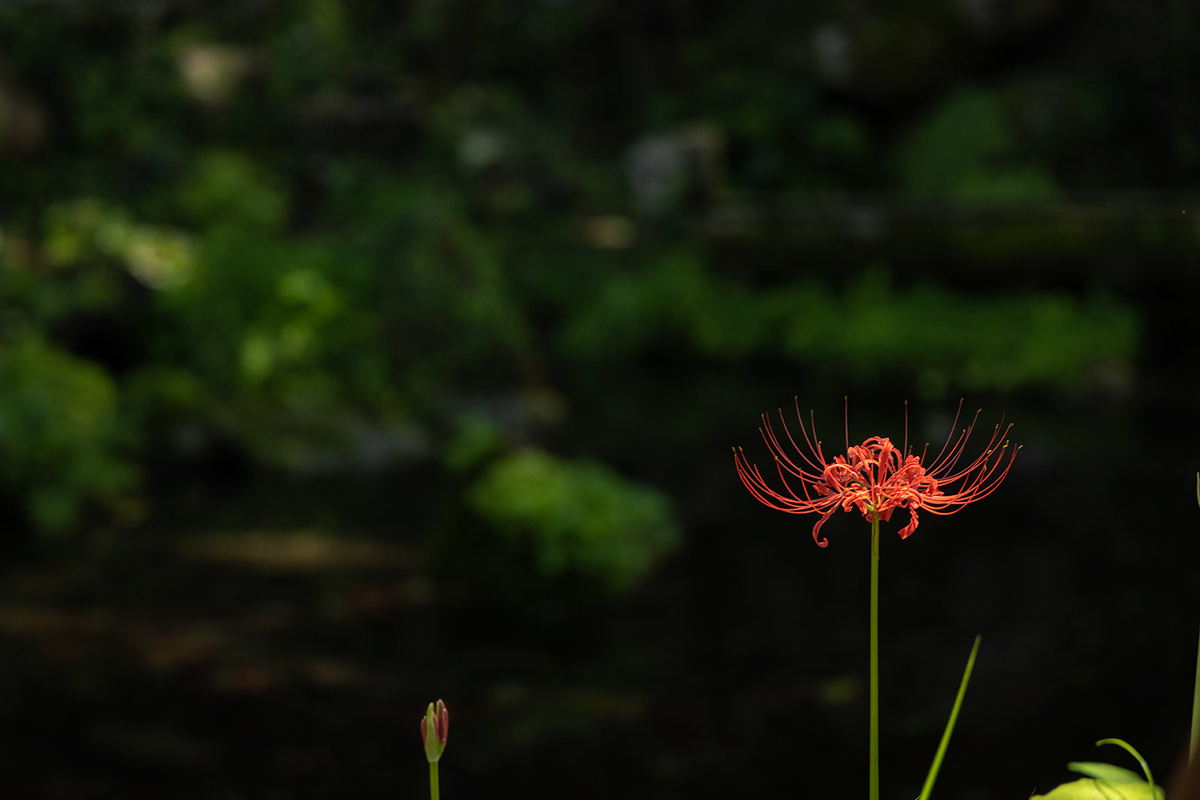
[875, 477]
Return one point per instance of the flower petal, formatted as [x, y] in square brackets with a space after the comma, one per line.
[912, 524]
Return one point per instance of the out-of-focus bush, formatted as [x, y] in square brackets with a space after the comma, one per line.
[89, 235]
[869, 329]
[577, 517]
[231, 189]
[59, 445]
[967, 149]
[324, 234]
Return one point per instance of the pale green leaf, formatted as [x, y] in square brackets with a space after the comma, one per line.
[1093, 789]
[1106, 772]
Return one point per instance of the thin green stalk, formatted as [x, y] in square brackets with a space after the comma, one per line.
[1154, 790]
[433, 781]
[1195, 712]
[927, 789]
[1196, 692]
[874, 762]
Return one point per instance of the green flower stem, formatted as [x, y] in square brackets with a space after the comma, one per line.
[874, 762]
[1196, 691]
[1195, 713]
[433, 780]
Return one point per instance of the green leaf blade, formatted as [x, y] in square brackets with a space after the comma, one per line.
[1105, 772]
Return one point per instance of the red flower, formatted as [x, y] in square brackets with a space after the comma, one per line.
[875, 477]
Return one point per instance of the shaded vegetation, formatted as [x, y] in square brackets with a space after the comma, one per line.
[503, 280]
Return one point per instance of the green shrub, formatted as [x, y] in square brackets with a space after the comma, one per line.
[58, 434]
[578, 516]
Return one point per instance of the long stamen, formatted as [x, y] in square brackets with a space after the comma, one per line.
[876, 476]
[959, 445]
[997, 436]
[953, 425]
[753, 481]
[810, 442]
[816, 467]
[768, 434]
[980, 488]
[846, 417]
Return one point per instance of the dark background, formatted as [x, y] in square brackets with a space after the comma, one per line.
[357, 354]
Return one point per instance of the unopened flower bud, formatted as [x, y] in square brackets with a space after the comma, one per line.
[434, 728]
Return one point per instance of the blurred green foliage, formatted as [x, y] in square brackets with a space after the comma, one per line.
[229, 189]
[58, 433]
[579, 516]
[325, 233]
[87, 232]
[967, 149]
[870, 329]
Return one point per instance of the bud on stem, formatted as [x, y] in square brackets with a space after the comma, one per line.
[434, 728]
